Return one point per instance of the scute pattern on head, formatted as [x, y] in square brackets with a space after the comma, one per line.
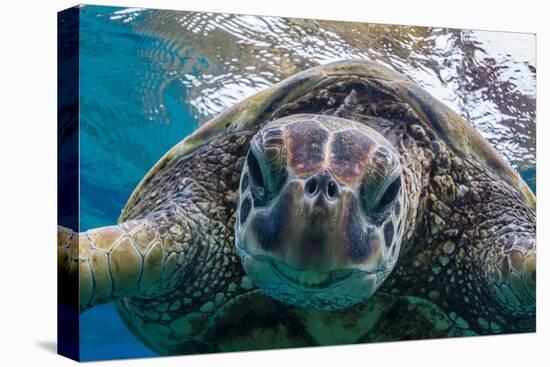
[349, 153]
[306, 142]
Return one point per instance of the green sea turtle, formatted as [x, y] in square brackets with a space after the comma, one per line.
[341, 205]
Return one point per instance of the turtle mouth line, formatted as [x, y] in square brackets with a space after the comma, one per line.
[309, 279]
[306, 280]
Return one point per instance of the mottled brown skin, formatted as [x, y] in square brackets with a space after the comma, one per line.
[466, 267]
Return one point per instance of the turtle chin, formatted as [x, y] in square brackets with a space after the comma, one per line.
[327, 291]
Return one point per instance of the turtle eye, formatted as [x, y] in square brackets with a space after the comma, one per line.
[265, 179]
[390, 194]
[254, 169]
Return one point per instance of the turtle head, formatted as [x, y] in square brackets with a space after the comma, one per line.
[320, 215]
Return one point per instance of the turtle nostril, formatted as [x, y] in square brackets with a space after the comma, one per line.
[332, 190]
[311, 186]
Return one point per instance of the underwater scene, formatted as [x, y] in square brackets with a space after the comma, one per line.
[149, 78]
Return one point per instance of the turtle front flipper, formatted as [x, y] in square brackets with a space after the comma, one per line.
[503, 284]
[511, 272]
[127, 259]
[497, 232]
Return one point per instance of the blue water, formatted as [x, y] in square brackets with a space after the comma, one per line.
[119, 143]
[149, 78]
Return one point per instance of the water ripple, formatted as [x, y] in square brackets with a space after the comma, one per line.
[487, 77]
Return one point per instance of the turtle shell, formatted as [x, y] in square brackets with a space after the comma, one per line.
[251, 114]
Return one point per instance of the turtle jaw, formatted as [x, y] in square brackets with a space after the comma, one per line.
[308, 279]
[325, 291]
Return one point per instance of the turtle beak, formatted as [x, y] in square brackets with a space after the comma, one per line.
[314, 225]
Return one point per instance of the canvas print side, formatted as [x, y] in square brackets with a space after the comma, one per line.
[68, 76]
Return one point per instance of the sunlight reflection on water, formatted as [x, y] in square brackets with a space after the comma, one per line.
[487, 77]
